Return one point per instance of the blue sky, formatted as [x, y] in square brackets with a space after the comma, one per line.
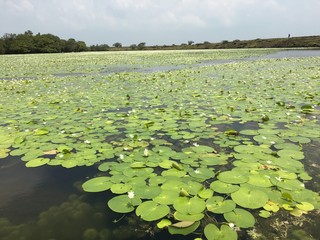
[159, 22]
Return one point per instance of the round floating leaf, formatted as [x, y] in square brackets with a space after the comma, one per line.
[247, 198]
[97, 184]
[233, 177]
[205, 193]
[259, 180]
[264, 214]
[212, 232]
[41, 131]
[123, 204]
[188, 217]
[222, 187]
[202, 173]
[183, 224]
[305, 206]
[120, 188]
[166, 197]
[184, 231]
[218, 204]
[164, 223]
[240, 217]
[147, 192]
[151, 211]
[298, 155]
[37, 162]
[187, 205]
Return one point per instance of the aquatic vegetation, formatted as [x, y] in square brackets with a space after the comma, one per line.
[198, 148]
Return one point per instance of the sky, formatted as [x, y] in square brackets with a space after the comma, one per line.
[161, 22]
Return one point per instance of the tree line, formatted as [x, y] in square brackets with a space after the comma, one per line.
[27, 42]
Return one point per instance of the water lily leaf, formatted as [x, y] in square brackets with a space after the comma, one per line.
[264, 214]
[187, 205]
[188, 217]
[184, 231]
[41, 131]
[218, 204]
[298, 155]
[259, 180]
[37, 162]
[183, 224]
[212, 232]
[271, 206]
[147, 192]
[151, 211]
[120, 188]
[97, 184]
[205, 193]
[251, 199]
[296, 212]
[222, 187]
[123, 204]
[233, 177]
[166, 197]
[164, 223]
[240, 217]
[305, 206]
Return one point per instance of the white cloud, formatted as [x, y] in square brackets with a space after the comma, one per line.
[160, 20]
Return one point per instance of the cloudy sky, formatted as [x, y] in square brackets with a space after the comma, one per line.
[159, 22]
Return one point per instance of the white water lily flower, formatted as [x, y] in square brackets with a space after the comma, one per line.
[269, 162]
[87, 142]
[232, 225]
[131, 194]
[196, 145]
[197, 171]
[121, 156]
[146, 152]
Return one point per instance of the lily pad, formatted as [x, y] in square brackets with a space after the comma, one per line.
[232, 177]
[251, 199]
[184, 231]
[151, 211]
[222, 187]
[212, 232]
[240, 217]
[218, 204]
[123, 204]
[97, 184]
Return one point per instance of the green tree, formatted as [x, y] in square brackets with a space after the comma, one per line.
[141, 45]
[2, 49]
[117, 45]
[48, 43]
[22, 43]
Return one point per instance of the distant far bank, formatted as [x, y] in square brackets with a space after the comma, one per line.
[47, 43]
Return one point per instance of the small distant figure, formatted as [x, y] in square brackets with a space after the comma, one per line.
[289, 35]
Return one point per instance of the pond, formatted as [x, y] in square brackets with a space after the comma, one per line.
[212, 144]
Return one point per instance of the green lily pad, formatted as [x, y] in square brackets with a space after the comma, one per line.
[264, 214]
[251, 199]
[259, 180]
[97, 184]
[151, 211]
[212, 232]
[120, 188]
[221, 187]
[164, 223]
[37, 162]
[305, 206]
[123, 204]
[240, 217]
[187, 205]
[233, 177]
[184, 231]
[188, 217]
[218, 204]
